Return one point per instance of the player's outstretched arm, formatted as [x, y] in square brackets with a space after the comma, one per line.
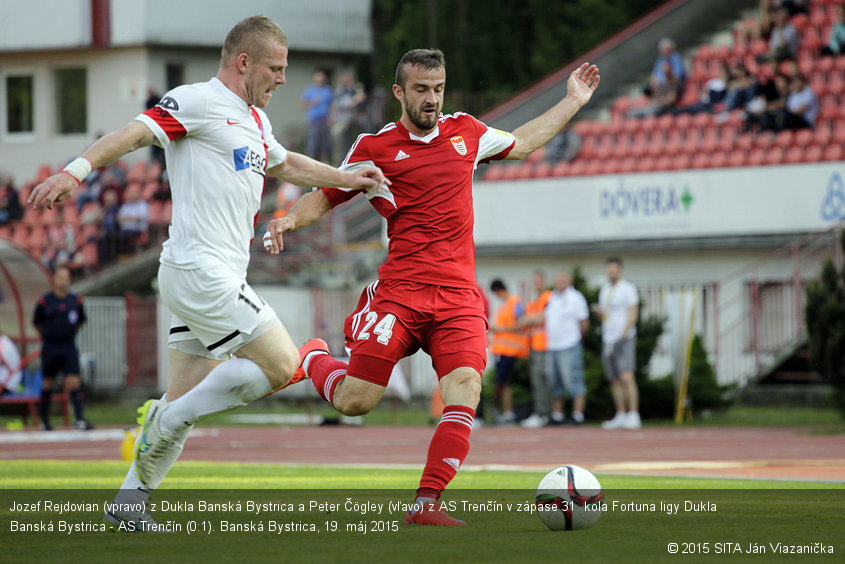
[105, 150]
[307, 209]
[304, 171]
[579, 89]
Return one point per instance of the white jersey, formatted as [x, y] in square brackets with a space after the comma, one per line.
[218, 149]
[615, 302]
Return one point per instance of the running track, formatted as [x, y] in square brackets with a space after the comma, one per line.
[779, 453]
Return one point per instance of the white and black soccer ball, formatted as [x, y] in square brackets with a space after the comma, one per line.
[569, 497]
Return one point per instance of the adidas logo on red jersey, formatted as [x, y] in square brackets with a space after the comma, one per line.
[401, 155]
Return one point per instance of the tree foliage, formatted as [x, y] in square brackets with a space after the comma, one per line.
[825, 316]
[496, 49]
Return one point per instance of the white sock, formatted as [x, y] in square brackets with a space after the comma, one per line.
[231, 384]
[306, 362]
[578, 416]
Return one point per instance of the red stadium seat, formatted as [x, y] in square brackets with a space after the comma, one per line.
[542, 169]
[775, 156]
[833, 152]
[719, 159]
[803, 137]
[645, 164]
[663, 162]
[493, 173]
[710, 140]
[594, 167]
[813, 154]
[737, 157]
[822, 134]
[757, 156]
[628, 165]
[785, 138]
[839, 131]
[681, 161]
[562, 168]
[795, 154]
[745, 141]
[700, 160]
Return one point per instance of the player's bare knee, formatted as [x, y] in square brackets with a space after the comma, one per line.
[280, 372]
[353, 406]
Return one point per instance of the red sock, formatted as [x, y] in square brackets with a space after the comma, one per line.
[326, 373]
[447, 451]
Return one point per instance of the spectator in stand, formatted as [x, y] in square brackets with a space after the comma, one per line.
[133, 218]
[741, 87]
[783, 40]
[668, 54]
[768, 15]
[347, 114]
[61, 243]
[109, 240]
[10, 202]
[666, 96]
[715, 91]
[564, 146]
[317, 102]
[802, 105]
[769, 99]
[836, 41]
[795, 6]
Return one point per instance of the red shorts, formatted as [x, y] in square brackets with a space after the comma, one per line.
[395, 318]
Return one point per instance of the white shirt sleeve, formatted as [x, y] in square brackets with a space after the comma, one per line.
[582, 311]
[182, 111]
[492, 143]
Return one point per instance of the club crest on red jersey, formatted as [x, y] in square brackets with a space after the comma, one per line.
[459, 145]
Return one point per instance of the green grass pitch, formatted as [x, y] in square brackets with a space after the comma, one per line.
[348, 527]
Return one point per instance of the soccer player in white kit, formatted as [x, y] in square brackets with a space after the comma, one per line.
[227, 347]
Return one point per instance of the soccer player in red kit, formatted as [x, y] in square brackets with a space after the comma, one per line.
[426, 296]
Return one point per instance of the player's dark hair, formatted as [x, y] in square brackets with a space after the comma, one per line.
[251, 36]
[426, 59]
[613, 260]
[497, 285]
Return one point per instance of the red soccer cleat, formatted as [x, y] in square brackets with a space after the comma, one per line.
[309, 346]
[432, 514]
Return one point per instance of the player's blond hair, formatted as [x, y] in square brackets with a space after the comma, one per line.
[426, 59]
[252, 36]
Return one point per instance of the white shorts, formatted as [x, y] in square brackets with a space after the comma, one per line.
[214, 314]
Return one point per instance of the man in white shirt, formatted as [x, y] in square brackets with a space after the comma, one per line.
[618, 307]
[567, 319]
[227, 346]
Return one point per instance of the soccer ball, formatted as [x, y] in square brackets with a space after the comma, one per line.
[569, 497]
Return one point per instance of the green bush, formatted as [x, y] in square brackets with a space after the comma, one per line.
[825, 317]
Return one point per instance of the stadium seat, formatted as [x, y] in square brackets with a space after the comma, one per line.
[839, 131]
[645, 164]
[813, 154]
[541, 169]
[795, 154]
[803, 137]
[719, 159]
[737, 157]
[833, 152]
[710, 140]
[663, 162]
[578, 167]
[562, 168]
[700, 160]
[775, 156]
[757, 156]
[536, 156]
[745, 141]
[137, 173]
[681, 161]
[784, 139]
[822, 134]
[492, 174]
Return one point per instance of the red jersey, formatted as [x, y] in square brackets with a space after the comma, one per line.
[428, 206]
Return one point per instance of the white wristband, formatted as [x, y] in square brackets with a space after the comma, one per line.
[78, 168]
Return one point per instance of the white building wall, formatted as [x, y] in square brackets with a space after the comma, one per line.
[116, 92]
